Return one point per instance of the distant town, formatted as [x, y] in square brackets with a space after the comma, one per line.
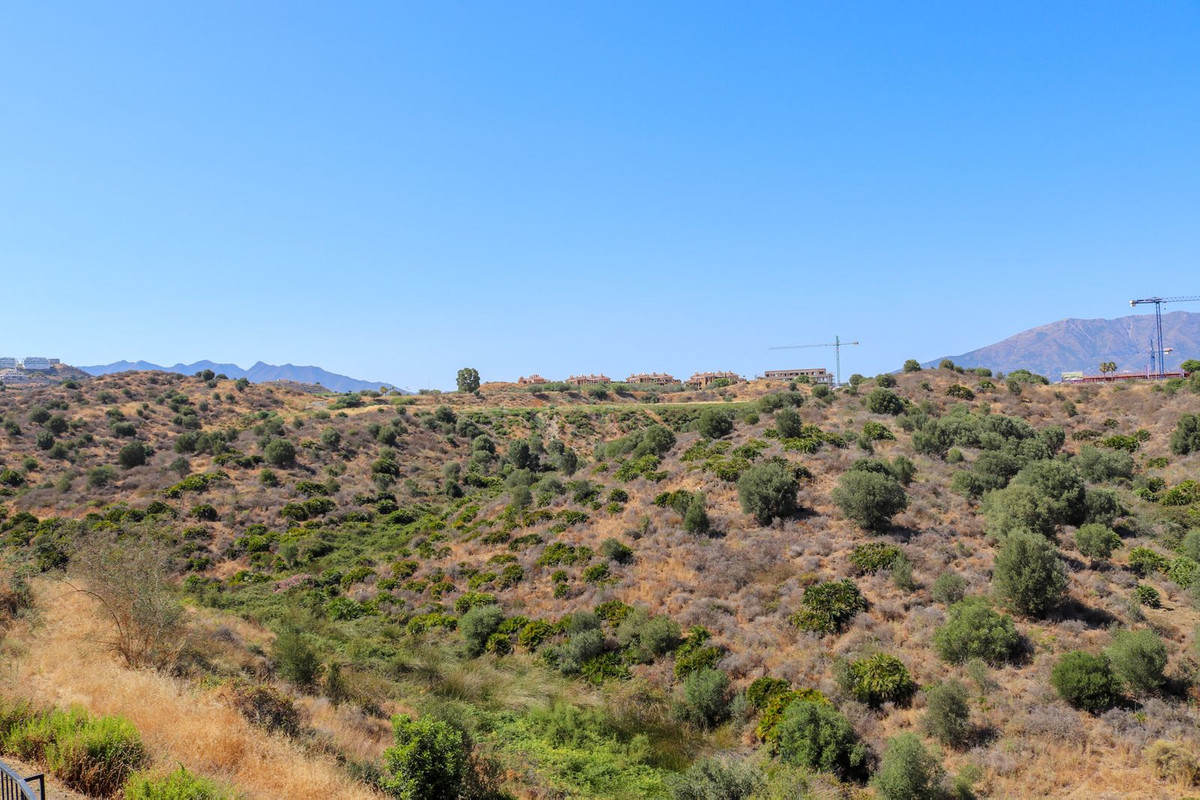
[699, 380]
[16, 371]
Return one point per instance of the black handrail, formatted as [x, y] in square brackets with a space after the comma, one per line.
[14, 787]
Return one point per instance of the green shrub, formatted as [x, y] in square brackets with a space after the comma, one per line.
[761, 690]
[1138, 658]
[884, 401]
[714, 423]
[827, 607]
[948, 713]
[880, 678]
[645, 637]
[976, 630]
[702, 701]
[815, 735]
[1096, 541]
[908, 771]
[767, 491]
[1086, 682]
[295, 658]
[695, 520]
[92, 755]
[477, 625]
[716, 779]
[428, 761]
[1145, 561]
[132, 455]
[1029, 575]
[788, 423]
[1146, 595]
[614, 550]
[1186, 436]
[871, 557]
[177, 785]
[1017, 508]
[280, 453]
[948, 588]
[869, 498]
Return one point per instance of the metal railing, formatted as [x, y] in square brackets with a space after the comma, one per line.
[14, 787]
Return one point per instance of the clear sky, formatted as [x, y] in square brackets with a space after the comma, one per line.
[396, 190]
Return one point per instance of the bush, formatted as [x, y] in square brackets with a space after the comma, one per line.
[280, 453]
[645, 637]
[428, 761]
[1029, 575]
[948, 713]
[295, 658]
[702, 702]
[1186, 436]
[177, 785]
[827, 607]
[869, 498]
[767, 491]
[884, 401]
[1096, 541]
[1172, 762]
[714, 423]
[1146, 595]
[948, 588]
[871, 557]
[1098, 465]
[1138, 658]
[908, 771]
[815, 735]
[92, 755]
[789, 424]
[976, 630]
[695, 520]
[477, 625]
[760, 692]
[1017, 508]
[1086, 682]
[716, 779]
[614, 550]
[879, 679]
[468, 380]
[912, 365]
[132, 455]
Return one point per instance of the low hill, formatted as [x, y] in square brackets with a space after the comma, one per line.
[594, 586]
[259, 373]
[1072, 345]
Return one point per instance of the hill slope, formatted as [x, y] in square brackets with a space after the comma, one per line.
[1071, 345]
[259, 373]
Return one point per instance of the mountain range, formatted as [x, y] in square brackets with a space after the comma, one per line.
[259, 373]
[1072, 345]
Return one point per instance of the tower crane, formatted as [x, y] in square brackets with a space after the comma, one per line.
[837, 344]
[1158, 350]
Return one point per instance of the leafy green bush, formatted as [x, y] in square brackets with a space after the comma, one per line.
[869, 498]
[1138, 658]
[92, 755]
[702, 701]
[884, 401]
[1029, 575]
[1086, 682]
[280, 453]
[295, 658]
[177, 785]
[908, 771]
[615, 550]
[713, 779]
[827, 607]
[761, 690]
[948, 713]
[1017, 508]
[428, 761]
[788, 423]
[815, 735]
[646, 637]
[695, 519]
[880, 678]
[132, 455]
[1145, 561]
[948, 588]
[767, 491]
[714, 423]
[1146, 595]
[1096, 541]
[477, 625]
[1186, 436]
[871, 557]
[976, 630]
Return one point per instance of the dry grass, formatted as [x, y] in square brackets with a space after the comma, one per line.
[60, 663]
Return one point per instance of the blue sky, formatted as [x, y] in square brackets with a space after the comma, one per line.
[396, 190]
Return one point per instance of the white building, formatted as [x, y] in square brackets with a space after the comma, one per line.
[36, 362]
[14, 376]
[816, 375]
[8, 362]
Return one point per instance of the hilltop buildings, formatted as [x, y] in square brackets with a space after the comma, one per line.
[36, 363]
[817, 375]
[699, 380]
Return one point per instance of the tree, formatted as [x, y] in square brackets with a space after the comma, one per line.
[1017, 508]
[1086, 682]
[1096, 541]
[908, 771]
[1029, 575]
[815, 735]
[767, 491]
[948, 713]
[976, 630]
[696, 518]
[468, 380]
[870, 498]
[295, 658]
[428, 761]
[280, 453]
[477, 625]
[714, 423]
[912, 365]
[788, 423]
[1107, 367]
[132, 455]
[1138, 658]
[884, 401]
[1186, 436]
[1190, 366]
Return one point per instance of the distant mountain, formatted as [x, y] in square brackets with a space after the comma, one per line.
[1073, 345]
[259, 373]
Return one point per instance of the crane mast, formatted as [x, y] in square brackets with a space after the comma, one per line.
[837, 344]
[1158, 352]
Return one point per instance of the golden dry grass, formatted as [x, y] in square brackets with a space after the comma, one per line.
[59, 662]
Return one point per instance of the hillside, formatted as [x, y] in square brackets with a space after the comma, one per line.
[259, 373]
[1072, 345]
[582, 593]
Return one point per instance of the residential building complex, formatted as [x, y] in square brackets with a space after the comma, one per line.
[816, 375]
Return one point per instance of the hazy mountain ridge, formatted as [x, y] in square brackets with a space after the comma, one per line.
[259, 373]
[1071, 345]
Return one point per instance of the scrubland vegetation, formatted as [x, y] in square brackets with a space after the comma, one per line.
[941, 583]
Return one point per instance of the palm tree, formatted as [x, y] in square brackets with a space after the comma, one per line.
[1108, 366]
